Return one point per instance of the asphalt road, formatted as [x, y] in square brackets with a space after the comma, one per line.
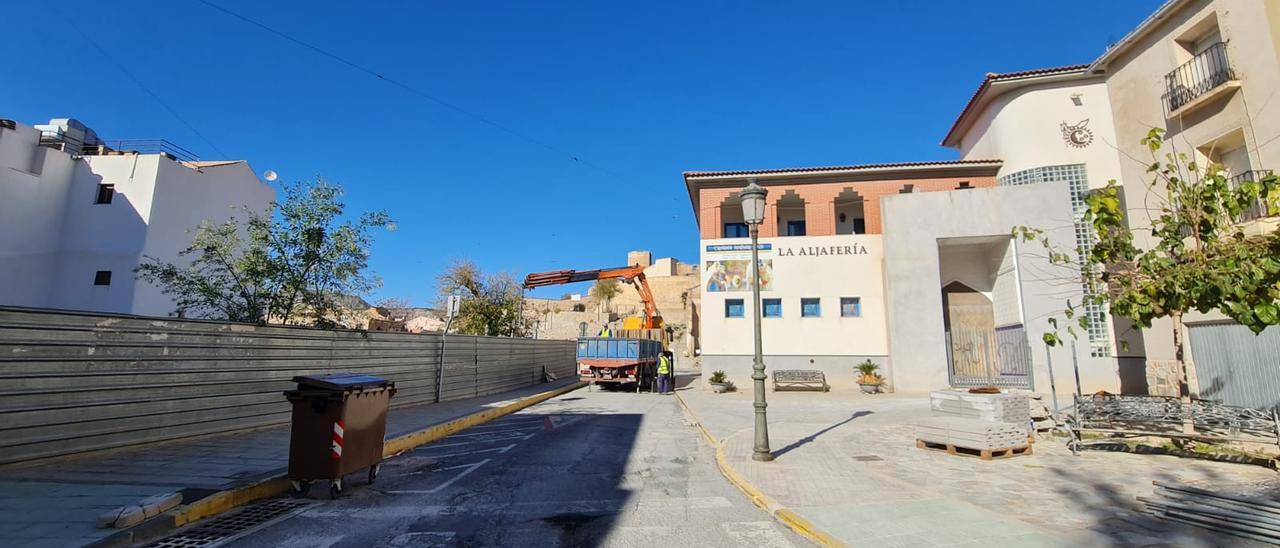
[585, 469]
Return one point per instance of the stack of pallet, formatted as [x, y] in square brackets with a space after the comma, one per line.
[1250, 517]
[983, 425]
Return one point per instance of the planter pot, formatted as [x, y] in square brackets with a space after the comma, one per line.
[869, 388]
[719, 388]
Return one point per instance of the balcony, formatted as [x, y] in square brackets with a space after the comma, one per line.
[1205, 77]
[1258, 210]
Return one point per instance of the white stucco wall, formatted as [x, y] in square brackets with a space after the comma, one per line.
[56, 238]
[845, 266]
[1023, 127]
[914, 224]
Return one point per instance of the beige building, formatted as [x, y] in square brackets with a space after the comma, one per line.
[1205, 72]
[675, 291]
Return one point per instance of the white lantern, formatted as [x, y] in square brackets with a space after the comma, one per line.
[753, 202]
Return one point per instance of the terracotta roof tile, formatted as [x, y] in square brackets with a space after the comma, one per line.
[689, 174]
[997, 76]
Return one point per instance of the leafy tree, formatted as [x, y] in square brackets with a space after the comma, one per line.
[286, 267]
[490, 303]
[605, 290]
[1199, 256]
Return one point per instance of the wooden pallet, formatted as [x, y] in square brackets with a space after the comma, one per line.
[984, 454]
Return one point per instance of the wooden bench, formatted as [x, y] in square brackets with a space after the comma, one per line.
[1161, 416]
[800, 379]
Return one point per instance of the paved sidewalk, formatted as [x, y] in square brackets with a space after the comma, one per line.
[54, 504]
[847, 463]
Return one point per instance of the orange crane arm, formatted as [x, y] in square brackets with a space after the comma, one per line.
[633, 275]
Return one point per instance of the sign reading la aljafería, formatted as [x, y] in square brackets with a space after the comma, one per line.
[820, 250]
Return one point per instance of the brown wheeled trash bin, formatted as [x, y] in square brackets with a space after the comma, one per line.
[339, 422]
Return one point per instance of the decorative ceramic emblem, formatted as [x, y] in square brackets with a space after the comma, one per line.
[1079, 135]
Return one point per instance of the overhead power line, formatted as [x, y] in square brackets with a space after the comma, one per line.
[129, 74]
[415, 91]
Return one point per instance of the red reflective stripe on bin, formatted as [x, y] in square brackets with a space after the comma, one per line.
[336, 448]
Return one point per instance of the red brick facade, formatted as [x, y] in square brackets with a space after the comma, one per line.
[819, 211]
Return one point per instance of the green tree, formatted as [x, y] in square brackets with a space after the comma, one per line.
[605, 290]
[490, 303]
[289, 265]
[1199, 256]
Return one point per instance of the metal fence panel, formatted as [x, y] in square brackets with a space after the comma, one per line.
[988, 357]
[75, 382]
[1236, 367]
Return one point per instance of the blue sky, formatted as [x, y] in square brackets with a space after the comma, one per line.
[637, 92]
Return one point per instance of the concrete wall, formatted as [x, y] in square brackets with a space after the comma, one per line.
[914, 224]
[34, 184]
[71, 383]
[1136, 82]
[844, 266]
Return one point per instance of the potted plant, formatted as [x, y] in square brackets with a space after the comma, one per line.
[719, 384]
[868, 377]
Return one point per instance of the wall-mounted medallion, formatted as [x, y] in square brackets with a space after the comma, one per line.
[1079, 135]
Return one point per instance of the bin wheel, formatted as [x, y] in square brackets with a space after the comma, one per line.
[300, 487]
[373, 473]
[335, 489]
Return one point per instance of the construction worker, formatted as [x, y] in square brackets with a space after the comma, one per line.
[605, 332]
[665, 373]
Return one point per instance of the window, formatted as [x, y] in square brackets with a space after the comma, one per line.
[810, 307]
[106, 192]
[733, 308]
[795, 228]
[735, 230]
[102, 277]
[850, 307]
[772, 308]
[964, 185]
[859, 226]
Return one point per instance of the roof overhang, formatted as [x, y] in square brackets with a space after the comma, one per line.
[995, 85]
[698, 180]
[1151, 23]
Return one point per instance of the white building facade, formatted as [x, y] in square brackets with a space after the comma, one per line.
[79, 216]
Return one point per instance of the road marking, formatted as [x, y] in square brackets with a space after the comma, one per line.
[473, 434]
[490, 450]
[473, 442]
[423, 538]
[760, 534]
[469, 469]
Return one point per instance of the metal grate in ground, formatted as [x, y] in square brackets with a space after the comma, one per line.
[234, 525]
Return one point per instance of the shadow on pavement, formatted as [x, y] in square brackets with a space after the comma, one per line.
[800, 442]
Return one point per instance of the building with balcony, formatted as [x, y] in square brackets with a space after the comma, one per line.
[909, 265]
[1205, 72]
[80, 213]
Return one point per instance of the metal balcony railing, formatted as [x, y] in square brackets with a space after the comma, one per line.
[143, 146]
[1204, 72]
[1259, 209]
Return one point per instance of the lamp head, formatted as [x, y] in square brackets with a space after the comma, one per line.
[753, 202]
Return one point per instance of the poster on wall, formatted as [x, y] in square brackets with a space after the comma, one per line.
[732, 275]
[728, 267]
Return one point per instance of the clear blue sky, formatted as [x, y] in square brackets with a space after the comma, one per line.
[645, 91]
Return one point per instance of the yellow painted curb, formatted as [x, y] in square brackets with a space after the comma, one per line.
[800, 525]
[222, 501]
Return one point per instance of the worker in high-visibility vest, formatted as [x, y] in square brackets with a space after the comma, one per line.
[665, 373]
[605, 332]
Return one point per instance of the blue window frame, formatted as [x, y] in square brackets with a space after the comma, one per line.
[772, 308]
[733, 308]
[851, 307]
[795, 228]
[735, 230]
[810, 307]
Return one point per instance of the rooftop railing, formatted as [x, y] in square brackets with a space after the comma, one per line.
[1203, 73]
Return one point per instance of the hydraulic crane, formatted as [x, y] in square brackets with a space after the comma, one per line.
[633, 275]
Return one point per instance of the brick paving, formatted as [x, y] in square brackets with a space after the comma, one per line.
[848, 463]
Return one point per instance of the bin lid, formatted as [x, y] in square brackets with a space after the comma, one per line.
[343, 381]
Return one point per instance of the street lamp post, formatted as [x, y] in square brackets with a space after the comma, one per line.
[753, 214]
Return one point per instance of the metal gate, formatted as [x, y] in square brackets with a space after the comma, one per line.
[989, 357]
[1236, 367]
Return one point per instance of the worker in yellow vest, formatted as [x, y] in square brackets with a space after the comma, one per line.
[666, 373]
[605, 332]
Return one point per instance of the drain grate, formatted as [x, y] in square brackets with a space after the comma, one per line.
[866, 458]
[233, 525]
